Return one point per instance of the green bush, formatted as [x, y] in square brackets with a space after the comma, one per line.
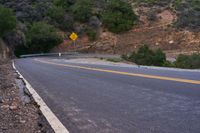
[92, 34]
[159, 58]
[7, 20]
[168, 64]
[125, 57]
[149, 1]
[196, 4]
[118, 16]
[82, 10]
[62, 3]
[57, 13]
[114, 60]
[188, 61]
[177, 3]
[145, 56]
[41, 38]
[21, 50]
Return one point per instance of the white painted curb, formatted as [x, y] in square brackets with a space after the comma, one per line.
[54, 122]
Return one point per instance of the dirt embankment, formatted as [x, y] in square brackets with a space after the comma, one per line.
[18, 112]
[155, 28]
[4, 50]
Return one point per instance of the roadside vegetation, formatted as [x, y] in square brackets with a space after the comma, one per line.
[7, 21]
[118, 16]
[82, 10]
[114, 59]
[41, 38]
[38, 23]
[188, 61]
[85, 17]
[146, 56]
[92, 34]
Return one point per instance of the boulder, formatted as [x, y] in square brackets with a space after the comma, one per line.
[94, 22]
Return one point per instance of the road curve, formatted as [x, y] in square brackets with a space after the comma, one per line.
[93, 98]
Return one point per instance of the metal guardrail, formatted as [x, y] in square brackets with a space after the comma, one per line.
[71, 55]
[48, 54]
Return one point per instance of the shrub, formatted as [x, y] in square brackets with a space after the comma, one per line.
[60, 19]
[125, 57]
[177, 3]
[41, 37]
[145, 56]
[118, 16]
[21, 50]
[188, 16]
[92, 34]
[188, 61]
[62, 3]
[114, 60]
[159, 58]
[57, 13]
[82, 10]
[195, 5]
[7, 20]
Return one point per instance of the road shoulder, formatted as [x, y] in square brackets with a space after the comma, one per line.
[18, 111]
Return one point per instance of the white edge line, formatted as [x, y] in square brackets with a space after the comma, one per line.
[54, 122]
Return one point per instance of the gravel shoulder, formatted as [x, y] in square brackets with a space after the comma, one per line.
[18, 112]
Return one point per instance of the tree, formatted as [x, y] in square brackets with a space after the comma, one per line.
[41, 38]
[7, 20]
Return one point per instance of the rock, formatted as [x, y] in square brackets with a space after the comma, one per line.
[26, 91]
[171, 42]
[80, 28]
[1, 99]
[94, 22]
[13, 107]
[5, 107]
[22, 121]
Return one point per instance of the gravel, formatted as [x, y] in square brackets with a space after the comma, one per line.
[17, 116]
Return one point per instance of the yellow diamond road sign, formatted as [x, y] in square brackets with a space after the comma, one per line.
[73, 36]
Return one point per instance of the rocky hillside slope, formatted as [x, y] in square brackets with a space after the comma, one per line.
[172, 25]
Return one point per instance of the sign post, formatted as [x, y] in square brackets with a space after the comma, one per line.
[73, 37]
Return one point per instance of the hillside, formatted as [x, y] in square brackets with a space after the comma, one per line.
[106, 26]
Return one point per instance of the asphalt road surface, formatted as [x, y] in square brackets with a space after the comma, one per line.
[95, 98]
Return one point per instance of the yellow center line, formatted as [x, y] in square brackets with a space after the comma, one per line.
[125, 73]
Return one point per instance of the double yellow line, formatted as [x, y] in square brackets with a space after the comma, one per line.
[125, 73]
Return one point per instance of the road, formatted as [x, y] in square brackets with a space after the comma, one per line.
[99, 98]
